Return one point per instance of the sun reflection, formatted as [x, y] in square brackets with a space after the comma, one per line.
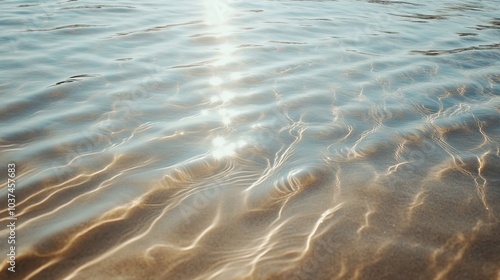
[217, 11]
[226, 54]
[226, 49]
[214, 99]
[226, 115]
[226, 112]
[221, 148]
[235, 76]
[219, 141]
[216, 81]
[226, 96]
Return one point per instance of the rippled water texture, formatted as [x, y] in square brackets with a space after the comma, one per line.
[251, 139]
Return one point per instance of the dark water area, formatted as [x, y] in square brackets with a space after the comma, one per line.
[225, 139]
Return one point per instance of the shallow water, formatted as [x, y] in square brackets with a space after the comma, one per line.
[273, 140]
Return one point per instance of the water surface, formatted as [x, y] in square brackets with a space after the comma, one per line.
[267, 140]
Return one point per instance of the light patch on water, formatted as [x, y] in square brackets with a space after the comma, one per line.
[226, 95]
[221, 148]
[226, 55]
[216, 81]
[226, 115]
[217, 11]
[235, 76]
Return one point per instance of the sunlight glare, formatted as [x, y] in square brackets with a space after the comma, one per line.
[226, 96]
[221, 149]
[235, 76]
[217, 11]
[216, 81]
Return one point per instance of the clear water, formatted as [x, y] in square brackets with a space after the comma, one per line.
[266, 140]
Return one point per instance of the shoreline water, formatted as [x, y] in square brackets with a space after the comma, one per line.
[268, 140]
